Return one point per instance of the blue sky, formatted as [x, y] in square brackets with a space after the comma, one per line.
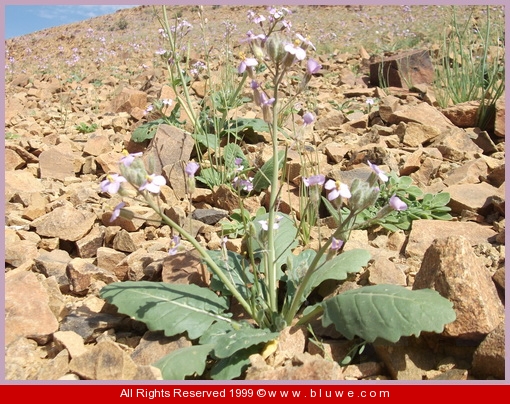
[25, 19]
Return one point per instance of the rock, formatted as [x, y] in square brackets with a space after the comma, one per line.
[489, 357]
[224, 198]
[20, 252]
[496, 176]
[58, 162]
[128, 242]
[53, 264]
[82, 273]
[54, 368]
[66, 223]
[333, 119]
[408, 359]
[21, 182]
[457, 145]
[171, 147]
[383, 271]
[387, 106]
[154, 345]
[97, 144]
[292, 340]
[12, 160]
[108, 258]
[336, 152]
[27, 314]
[71, 342]
[363, 370]
[89, 325]
[417, 134]
[477, 198]
[424, 232]
[104, 361]
[451, 267]
[22, 359]
[463, 115]
[402, 70]
[184, 268]
[300, 367]
[209, 216]
[87, 246]
[499, 123]
[423, 114]
[471, 172]
[148, 266]
[127, 100]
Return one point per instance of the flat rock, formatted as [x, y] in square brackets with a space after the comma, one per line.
[71, 342]
[27, 314]
[421, 113]
[66, 223]
[104, 361]
[473, 197]
[470, 172]
[462, 115]
[53, 264]
[424, 232]
[57, 162]
[21, 182]
[451, 267]
[154, 345]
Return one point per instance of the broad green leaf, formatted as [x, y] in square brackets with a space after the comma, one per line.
[172, 308]
[234, 365]
[209, 140]
[236, 268]
[184, 362]
[146, 131]
[210, 177]
[441, 199]
[231, 151]
[262, 177]
[230, 343]
[338, 268]
[215, 331]
[388, 312]
[238, 125]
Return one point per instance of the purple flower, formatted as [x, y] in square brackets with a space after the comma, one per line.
[308, 118]
[174, 244]
[336, 244]
[314, 180]
[383, 177]
[247, 62]
[112, 183]
[297, 51]
[337, 189]
[153, 183]
[265, 225]
[191, 168]
[129, 157]
[116, 211]
[397, 203]
[238, 162]
[242, 184]
[312, 66]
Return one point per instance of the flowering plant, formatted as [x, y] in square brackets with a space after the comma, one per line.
[272, 282]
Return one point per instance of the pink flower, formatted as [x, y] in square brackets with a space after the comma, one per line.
[308, 118]
[247, 62]
[397, 203]
[337, 189]
[312, 66]
[112, 183]
[129, 157]
[153, 183]
[174, 245]
[336, 244]
[116, 211]
[191, 168]
[297, 51]
[314, 180]
[383, 177]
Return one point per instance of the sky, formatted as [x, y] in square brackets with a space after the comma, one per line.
[25, 19]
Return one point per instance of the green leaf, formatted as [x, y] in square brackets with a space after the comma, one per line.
[261, 180]
[235, 126]
[172, 308]
[440, 200]
[243, 338]
[236, 268]
[208, 140]
[184, 362]
[285, 239]
[210, 177]
[231, 151]
[388, 312]
[146, 131]
[215, 331]
[339, 267]
[233, 366]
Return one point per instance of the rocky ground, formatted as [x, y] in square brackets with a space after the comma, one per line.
[61, 249]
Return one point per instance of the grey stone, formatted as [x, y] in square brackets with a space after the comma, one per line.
[209, 216]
